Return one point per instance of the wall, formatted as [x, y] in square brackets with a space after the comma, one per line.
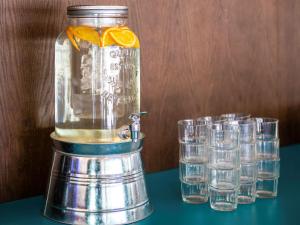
[198, 57]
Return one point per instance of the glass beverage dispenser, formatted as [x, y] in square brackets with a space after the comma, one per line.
[97, 175]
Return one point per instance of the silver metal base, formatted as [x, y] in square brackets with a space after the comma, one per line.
[96, 189]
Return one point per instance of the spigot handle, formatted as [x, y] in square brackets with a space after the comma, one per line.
[135, 127]
[136, 116]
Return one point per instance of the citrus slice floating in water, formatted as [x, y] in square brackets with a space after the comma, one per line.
[106, 39]
[71, 38]
[75, 34]
[124, 37]
[137, 43]
[87, 34]
[120, 36]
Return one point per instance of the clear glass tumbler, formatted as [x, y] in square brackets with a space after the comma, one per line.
[248, 178]
[268, 157]
[248, 175]
[224, 166]
[268, 175]
[193, 160]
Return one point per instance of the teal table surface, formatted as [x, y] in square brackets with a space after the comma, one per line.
[164, 192]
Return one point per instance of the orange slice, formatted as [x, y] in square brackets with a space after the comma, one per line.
[120, 36]
[71, 38]
[137, 43]
[106, 39]
[87, 33]
[124, 37]
[124, 28]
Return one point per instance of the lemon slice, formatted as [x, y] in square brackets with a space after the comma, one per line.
[124, 37]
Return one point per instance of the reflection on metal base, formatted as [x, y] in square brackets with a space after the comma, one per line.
[117, 217]
[97, 189]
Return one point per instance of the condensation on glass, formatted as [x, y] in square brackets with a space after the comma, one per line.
[97, 87]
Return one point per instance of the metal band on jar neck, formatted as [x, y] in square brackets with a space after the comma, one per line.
[95, 11]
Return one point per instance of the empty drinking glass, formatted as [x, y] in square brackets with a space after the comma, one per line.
[247, 147]
[193, 161]
[248, 178]
[224, 166]
[268, 157]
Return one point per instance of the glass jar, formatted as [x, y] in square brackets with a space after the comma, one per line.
[97, 75]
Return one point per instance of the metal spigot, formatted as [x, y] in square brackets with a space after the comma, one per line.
[135, 127]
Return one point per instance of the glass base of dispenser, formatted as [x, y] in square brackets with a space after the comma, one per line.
[103, 185]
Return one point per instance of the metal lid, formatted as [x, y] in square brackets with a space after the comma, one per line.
[97, 11]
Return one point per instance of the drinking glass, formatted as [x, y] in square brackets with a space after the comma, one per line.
[268, 157]
[193, 160]
[248, 179]
[224, 166]
[247, 147]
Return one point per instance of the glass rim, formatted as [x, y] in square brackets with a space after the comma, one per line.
[193, 123]
[181, 122]
[238, 115]
[217, 148]
[242, 123]
[226, 126]
[266, 120]
[212, 119]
